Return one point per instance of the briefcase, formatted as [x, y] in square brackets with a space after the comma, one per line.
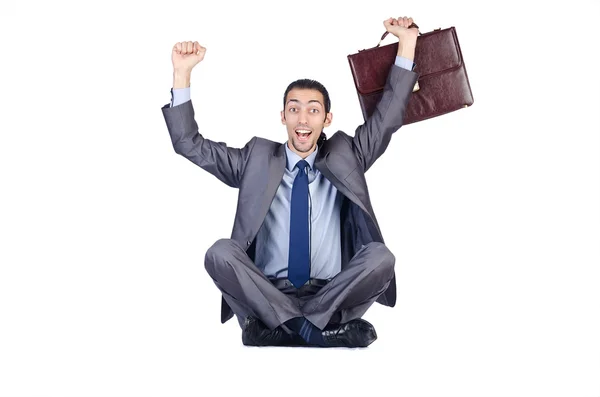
[443, 85]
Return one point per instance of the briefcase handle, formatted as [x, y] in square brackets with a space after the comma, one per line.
[412, 25]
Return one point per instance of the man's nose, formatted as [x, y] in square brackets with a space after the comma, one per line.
[303, 117]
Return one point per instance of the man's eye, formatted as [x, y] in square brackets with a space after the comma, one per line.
[292, 109]
[314, 110]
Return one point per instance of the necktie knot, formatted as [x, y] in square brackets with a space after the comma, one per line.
[302, 164]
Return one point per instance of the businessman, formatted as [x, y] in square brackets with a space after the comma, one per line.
[306, 257]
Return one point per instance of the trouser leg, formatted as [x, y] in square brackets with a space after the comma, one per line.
[244, 286]
[352, 291]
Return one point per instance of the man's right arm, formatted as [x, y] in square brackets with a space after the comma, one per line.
[226, 163]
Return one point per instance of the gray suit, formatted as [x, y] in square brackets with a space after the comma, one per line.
[257, 169]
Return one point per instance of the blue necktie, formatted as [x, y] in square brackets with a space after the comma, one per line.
[299, 259]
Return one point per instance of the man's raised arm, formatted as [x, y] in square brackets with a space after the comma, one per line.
[371, 139]
[224, 162]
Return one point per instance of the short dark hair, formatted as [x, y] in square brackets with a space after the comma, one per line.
[310, 85]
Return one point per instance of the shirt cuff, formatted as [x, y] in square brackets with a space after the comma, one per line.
[179, 96]
[404, 63]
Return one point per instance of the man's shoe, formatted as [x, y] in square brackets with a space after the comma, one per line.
[256, 333]
[354, 333]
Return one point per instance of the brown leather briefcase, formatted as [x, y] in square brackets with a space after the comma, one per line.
[442, 87]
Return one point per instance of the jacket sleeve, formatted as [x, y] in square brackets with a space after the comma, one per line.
[372, 138]
[226, 163]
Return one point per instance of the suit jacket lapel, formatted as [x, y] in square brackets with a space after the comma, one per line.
[337, 181]
[277, 165]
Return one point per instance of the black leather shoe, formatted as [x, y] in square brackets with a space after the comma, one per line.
[256, 333]
[354, 333]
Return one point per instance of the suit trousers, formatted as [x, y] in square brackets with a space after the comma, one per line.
[345, 297]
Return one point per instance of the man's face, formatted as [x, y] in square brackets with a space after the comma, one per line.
[304, 117]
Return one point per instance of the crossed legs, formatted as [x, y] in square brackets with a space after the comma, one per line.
[250, 293]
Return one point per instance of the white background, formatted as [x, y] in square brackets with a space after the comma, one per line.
[492, 212]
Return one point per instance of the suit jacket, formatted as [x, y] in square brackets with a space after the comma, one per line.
[257, 170]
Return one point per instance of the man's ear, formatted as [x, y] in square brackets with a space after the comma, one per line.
[328, 119]
[282, 117]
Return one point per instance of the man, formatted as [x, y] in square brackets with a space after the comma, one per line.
[306, 257]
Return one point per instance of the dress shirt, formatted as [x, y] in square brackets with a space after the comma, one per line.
[324, 203]
[272, 239]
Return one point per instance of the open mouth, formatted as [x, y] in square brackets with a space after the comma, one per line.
[303, 134]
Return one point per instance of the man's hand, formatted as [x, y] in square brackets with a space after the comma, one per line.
[407, 38]
[185, 56]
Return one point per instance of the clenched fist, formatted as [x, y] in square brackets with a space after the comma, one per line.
[186, 55]
[399, 28]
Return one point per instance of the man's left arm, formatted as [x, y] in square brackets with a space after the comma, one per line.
[372, 138]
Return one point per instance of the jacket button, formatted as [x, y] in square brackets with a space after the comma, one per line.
[248, 242]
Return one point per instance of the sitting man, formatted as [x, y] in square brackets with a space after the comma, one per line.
[306, 257]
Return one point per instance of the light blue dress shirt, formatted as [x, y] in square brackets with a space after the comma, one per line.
[324, 203]
[272, 240]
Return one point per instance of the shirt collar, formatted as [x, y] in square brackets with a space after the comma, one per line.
[293, 158]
